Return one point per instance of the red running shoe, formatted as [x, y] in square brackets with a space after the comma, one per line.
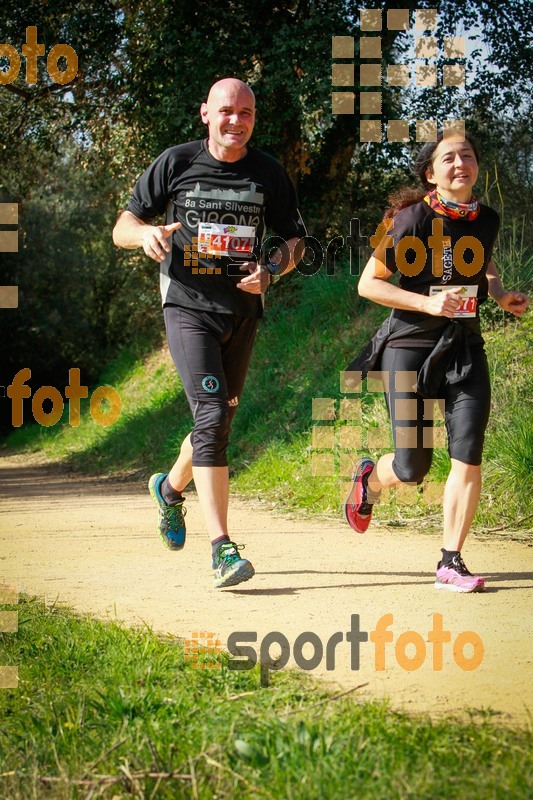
[357, 507]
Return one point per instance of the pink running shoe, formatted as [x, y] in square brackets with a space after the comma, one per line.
[359, 505]
[456, 577]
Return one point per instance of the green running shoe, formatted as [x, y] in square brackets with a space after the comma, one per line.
[229, 567]
[171, 518]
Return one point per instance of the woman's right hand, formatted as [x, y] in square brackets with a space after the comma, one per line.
[443, 304]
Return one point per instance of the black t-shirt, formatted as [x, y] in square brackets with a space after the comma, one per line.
[460, 262]
[224, 208]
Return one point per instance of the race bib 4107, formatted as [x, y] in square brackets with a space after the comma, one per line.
[215, 239]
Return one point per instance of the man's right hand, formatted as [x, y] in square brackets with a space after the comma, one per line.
[154, 240]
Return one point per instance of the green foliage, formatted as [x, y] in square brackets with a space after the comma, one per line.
[106, 705]
[69, 155]
[73, 311]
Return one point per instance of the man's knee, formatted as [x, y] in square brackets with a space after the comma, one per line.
[211, 434]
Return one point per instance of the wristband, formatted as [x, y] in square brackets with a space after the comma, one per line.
[273, 267]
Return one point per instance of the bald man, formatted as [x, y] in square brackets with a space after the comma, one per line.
[218, 195]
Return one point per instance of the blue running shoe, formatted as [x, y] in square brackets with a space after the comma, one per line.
[229, 567]
[171, 525]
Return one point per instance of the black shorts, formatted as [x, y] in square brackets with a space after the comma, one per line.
[466, 413]
[211, 353]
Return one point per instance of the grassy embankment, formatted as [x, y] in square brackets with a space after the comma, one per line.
[107, 712]
[312, 329]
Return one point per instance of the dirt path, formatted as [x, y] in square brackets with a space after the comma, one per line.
[92, 544]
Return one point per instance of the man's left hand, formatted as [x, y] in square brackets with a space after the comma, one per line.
[258, 279]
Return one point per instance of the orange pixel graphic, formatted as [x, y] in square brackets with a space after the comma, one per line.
[202, 642]
[340, 430]
[9, 243]
[9, 676]
[372, 72]
[190, 259]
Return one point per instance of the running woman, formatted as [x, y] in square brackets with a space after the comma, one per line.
[441, 242]
[219, 195]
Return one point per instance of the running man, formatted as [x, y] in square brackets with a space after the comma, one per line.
[219, 195]
[431, 345]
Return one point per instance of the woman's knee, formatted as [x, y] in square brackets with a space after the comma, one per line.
[466, 472]
[412, 467]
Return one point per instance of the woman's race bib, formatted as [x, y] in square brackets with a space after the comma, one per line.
[468, 299]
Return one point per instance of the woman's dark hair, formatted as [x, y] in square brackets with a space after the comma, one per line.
[408, 196]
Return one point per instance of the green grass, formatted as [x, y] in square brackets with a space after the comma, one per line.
[312, 329]
[508, 454]
[107, 705]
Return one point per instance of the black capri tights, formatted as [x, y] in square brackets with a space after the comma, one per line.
[466, 412]
[211, 353]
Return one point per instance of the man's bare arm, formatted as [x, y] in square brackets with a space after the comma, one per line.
[130, 232]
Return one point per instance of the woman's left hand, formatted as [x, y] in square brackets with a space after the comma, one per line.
[514, 302]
